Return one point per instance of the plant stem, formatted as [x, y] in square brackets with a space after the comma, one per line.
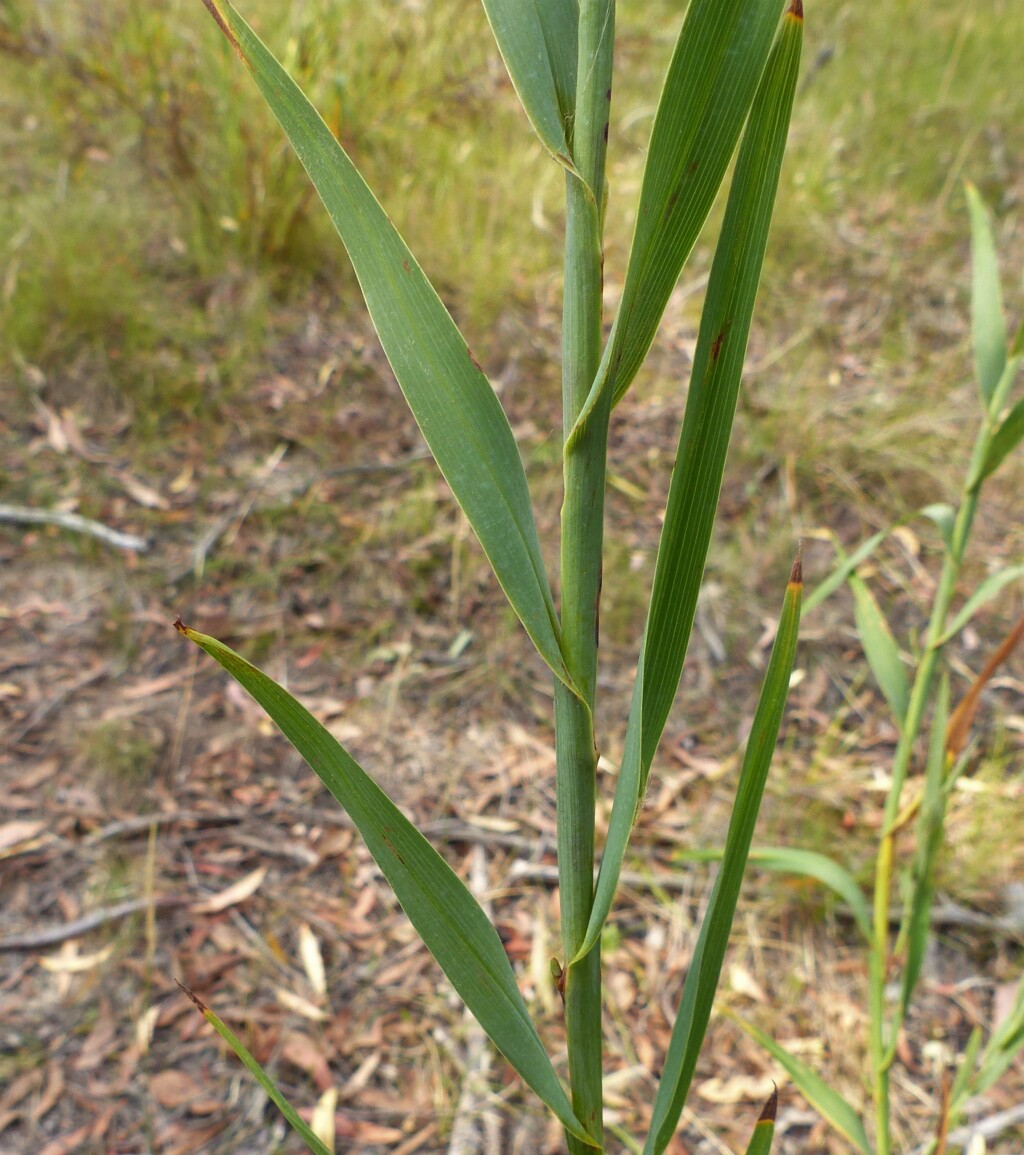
[883, 1049]
[582, 532]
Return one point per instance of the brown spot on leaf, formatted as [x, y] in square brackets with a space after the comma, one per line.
[215, 12]
[405, 265]
[473, 359]
[796, 9]
[716, 346]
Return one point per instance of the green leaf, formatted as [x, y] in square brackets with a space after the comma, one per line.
[809, 864]
[718, 61]
[988, 326]
[537, 41]
[703, 445]
[828, 1103]
[880, 649]
[930, 820]
[706, 965]
[1004, 441]
[764, 1130]
[461, 418]
[944, 517]
[445, 914]
[846, 566]
[305, 1132]
[1002, 1048]
[981, 596]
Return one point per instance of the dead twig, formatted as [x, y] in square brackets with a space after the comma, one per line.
[23, 515]
[51, 936]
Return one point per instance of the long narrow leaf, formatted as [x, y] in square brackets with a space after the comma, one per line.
[929, 838]
[298, 1124]
[706, 965]
[445, 914]
[714, 385]
[537, 41]
[880, 649]
[718, 60]
[988, 325]
[461, 418]
[988, 589]
[808, 864]
[846, 565]
[1004, 441]
[703, 445]
[764, 1130]
[827, 1102]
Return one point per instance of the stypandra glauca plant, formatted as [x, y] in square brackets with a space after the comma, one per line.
[932, 752]
[728, 93]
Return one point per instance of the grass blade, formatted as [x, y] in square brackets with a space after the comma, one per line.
[764, 1130]
[880, 649]
[828, 1103]
[706, 965]
[988, 589]
[306, 1133]
[711, 81]
[930, 823]
[808, 864]
[537, 41]
[703, 445]
[445, 914]
[714, 386]
[847, 564]
[454, 405]
[988, 325]
[1004, 441]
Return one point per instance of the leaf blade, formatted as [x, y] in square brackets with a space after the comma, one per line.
[454, 405]
[826, 1101]
[880, 649]
[1004, 441]
[705, 967]
[537, 40]
[445, 914]
[717, 63]
[988, 589]
[988, 325]
[700, 459]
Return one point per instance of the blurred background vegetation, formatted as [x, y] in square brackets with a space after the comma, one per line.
[152, 217]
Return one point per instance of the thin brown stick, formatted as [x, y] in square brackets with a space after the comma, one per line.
[50, 936]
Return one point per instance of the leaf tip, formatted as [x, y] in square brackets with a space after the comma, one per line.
[198, 1002]
[796, 574]
[770, 1108]
[796, 10]
[182, 629]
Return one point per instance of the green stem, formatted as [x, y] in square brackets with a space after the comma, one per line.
[883, 1043]
[582, 534]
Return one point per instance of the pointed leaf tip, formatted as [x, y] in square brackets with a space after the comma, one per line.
[199, 1004]
[182, 629]
[771, 1107]
[796, 9]
[796, 574]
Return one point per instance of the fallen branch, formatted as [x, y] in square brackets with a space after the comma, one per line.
[23, 515]
[52, 935]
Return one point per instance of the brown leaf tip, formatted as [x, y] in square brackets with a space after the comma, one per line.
[796, 9]
[180, 626]
[771, 1107]
[199, 1004]
[216, 13]
[796, 575]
